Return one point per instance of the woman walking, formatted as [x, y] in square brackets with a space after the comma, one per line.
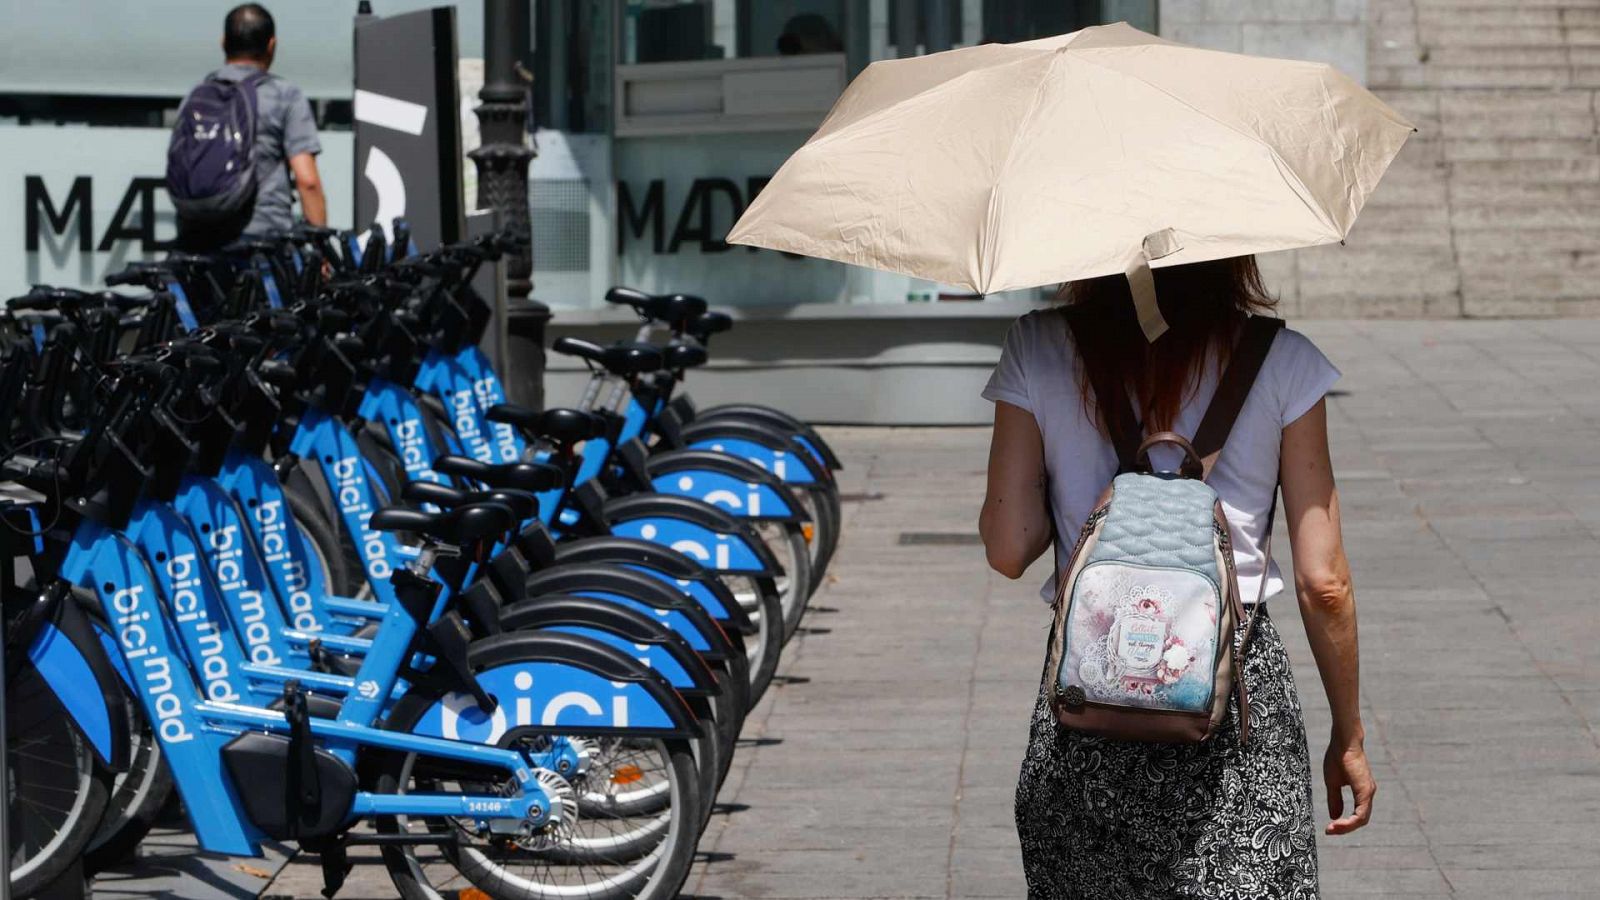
[1108, 819]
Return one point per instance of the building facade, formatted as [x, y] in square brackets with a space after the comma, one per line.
[656, 121]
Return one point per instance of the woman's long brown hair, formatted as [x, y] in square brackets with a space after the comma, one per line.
[1204, 305]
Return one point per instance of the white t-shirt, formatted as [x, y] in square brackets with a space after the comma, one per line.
[1038, 372]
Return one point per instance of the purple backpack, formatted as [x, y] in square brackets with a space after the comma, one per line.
[211, 157]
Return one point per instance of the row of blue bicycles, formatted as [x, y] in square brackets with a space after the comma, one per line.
[278, 545]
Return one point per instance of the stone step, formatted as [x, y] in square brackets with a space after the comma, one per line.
[1422, 155]
[1465, 193]
[1350, 281]
[1521, 293]
[1453, 35]
[1412, 218]
[1387, 14]
[1458, 149]
[1556, 172]
[1584, 55]
[1489, 241]
[1428, 5]
[1395, 56]
[1390, 35]
[1373, 232]
[1507, 217]
[1470, 76]
[1419, 105]
[1411, 186]
[1354, 260]
[1463, 17]
[1512, 114]
[1580, 17]
[1490, 57]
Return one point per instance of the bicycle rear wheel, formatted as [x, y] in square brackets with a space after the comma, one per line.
[788, 543]
[639, 855]
[56, 791]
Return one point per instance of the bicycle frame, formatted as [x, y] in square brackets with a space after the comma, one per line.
[193, 730]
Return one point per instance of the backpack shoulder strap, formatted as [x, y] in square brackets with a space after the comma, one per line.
[1110, 399]
[1233, 387]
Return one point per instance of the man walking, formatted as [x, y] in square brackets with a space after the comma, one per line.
[217, 199]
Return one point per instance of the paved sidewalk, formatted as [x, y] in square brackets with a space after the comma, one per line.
[1468, 456]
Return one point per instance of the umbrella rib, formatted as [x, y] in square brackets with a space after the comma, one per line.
[1297, 183]
[985, 249]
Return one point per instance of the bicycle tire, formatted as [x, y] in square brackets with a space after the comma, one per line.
[790, 547]
[135, 800]
[52, 743]
[658, 875]
[323, 544]
[763, 664]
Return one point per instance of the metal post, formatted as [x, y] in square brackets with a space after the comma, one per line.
[905, 27]
[5, 753]
[938, 25]
[502, 162]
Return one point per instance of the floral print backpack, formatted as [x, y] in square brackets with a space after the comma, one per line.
[1143, 646]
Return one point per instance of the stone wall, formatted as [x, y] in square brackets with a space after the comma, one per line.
[1331, 31]
[1493, 208]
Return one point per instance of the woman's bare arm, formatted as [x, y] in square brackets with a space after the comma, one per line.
[1328, 607]
[1015, 522]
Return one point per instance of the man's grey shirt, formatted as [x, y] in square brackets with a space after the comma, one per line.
[285, 127]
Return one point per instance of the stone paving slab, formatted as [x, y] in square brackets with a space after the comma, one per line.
[883, 764]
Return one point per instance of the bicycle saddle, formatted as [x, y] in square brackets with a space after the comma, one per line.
[622, 358]
[563, 426]
[459, 526]
[522, 504]
[516, 476]
[684, 356]
[50, 298]
[705, 325]
[663, 307]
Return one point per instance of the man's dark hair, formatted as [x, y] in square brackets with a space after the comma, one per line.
[246, 31]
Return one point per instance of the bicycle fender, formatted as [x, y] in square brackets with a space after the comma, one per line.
[69, 656]
[722, 480]
[549, 683]
[636, 590]
[695, 529]
[667, 565]
[805, 434]
[628, 630]
[769, 449]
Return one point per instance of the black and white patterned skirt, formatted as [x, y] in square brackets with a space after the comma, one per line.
[1119, 820]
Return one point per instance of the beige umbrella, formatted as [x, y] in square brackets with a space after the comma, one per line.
[1008, 166]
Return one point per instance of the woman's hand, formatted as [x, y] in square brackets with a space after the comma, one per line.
[1345, 765]
[1328, 609]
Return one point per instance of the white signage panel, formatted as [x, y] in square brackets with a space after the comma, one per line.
[77, 202]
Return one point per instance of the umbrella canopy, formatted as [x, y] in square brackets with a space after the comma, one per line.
[1008, 166]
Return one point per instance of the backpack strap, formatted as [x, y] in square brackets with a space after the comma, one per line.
[1250, 622]
[1234, 387]
[1110, 398]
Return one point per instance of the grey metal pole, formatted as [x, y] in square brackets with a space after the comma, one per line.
[905, 27]
[5, 773]
[502, 160]
[503, 157]
[938, 28]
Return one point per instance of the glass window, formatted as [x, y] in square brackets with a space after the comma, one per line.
[681, 30]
